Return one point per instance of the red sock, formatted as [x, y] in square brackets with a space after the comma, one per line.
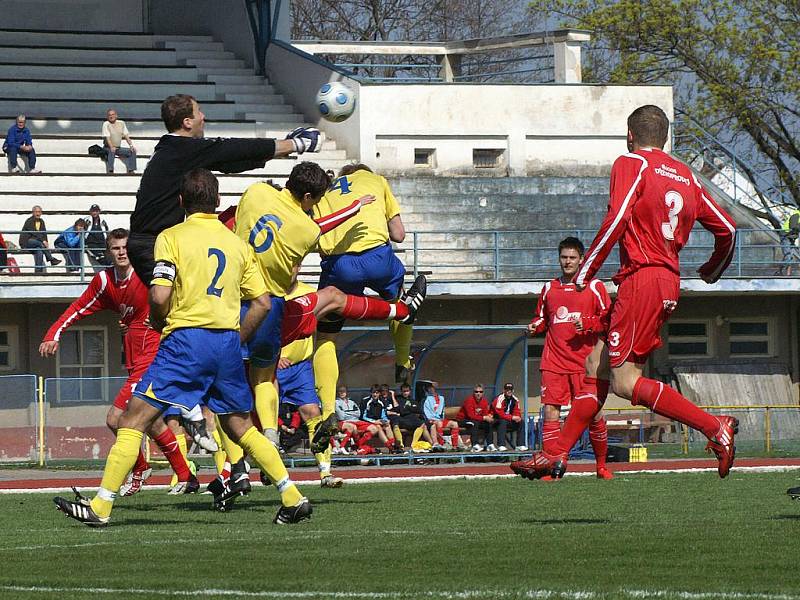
[169, 446]
[550, 431]
[361, 308]
[141, 463]
[364, 440]
[583, 410]
[225, 475]
[596, 386]
[345, 440]
[598, 435]
[454, 437]
[389, 443]
[668, 402]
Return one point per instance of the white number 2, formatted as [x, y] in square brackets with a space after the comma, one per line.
[674, 202]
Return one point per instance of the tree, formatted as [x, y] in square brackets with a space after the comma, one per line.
[734, 65]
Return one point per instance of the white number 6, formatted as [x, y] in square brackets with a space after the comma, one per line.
[674, 202]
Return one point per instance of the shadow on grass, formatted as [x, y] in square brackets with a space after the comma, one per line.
[567, 521]
[795, 517]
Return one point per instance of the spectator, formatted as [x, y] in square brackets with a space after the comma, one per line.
[34, 237]
[352, 425]
[407, 414]
[3, 253]
[375, 412]
[506, 409]
[70, 242]
[96, 230]
[433, 409]
[789, 234]
[114, 131]
[19, 141]
[290, 425]
[476, 416]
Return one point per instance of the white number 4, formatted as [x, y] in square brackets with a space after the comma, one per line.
[674, 202]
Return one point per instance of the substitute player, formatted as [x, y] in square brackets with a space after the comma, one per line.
[119, 289]
[654, 202]
[276, 224]
[573, 320]
[355, 256]
[202, 272]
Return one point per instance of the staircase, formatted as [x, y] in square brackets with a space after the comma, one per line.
[65, 82]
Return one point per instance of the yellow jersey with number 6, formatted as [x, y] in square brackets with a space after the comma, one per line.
[281, 234]
[369, 229]
[210, 270]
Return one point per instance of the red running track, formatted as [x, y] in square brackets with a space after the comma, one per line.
[403, 472]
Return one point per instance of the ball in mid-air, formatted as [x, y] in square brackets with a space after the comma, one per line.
[336, 101]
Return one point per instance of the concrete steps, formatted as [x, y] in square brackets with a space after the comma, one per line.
[12, 37]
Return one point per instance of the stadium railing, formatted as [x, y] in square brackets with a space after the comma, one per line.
[24, 257]
[511, 255]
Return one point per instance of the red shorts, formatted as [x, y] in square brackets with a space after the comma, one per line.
[138, 354]
[299, 320]
[361, 426]
[560, 388]
[644, 302]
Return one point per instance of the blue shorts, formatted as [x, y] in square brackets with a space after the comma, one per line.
[263, 348]
[377, 268]
[296, 384]
[196, 365]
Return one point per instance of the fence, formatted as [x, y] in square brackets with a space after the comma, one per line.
[464, 255]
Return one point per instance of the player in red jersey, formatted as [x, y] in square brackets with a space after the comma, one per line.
[654, 202]
[574, 320]
[119, 289]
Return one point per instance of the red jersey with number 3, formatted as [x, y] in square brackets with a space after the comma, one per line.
[560, 306]
[653, 205]
[126, 296]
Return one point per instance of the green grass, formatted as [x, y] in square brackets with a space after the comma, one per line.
[505, 538]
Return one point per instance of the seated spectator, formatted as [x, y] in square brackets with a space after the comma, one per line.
[3, 253]
[476, 416]
[375, 413]
[70, 242]
[508, 417]
[96, 231]
[352, 425]
[114, 131]
[290, 427]
[406, 414]
[34, 237]
[20, 142]
[433, 409]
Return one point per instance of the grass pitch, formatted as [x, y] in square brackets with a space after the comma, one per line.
[688, 536]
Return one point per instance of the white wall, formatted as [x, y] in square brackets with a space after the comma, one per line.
[73, 15]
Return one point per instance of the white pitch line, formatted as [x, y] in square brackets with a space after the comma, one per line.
[454, 595]
[412, 479]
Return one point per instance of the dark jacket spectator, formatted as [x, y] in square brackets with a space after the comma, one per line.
[96, 231]
[34, 237]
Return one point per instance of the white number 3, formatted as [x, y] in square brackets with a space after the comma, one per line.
[613, 338]
[674, 202]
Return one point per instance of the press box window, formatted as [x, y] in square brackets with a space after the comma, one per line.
[486, 158]
[8, 349]
[423, 157]
[688, 339]
[750, 338]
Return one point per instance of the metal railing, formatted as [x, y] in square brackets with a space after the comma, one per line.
[79, 261]
[464, 255]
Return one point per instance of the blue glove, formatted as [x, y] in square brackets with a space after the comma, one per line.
[306, 139]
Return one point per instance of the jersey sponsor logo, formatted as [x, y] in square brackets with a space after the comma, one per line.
[671, 173]
[670, 305]
[563, 315]
[164, 270]
[303, 301]
[125, 311]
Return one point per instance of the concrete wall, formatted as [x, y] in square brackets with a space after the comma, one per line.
[74, 15]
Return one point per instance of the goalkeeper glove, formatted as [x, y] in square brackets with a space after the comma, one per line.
[306, 139]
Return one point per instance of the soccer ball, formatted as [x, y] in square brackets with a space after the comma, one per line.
[336, 101]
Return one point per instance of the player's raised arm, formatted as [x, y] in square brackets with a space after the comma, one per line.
[626, 174]
[720, 223]
[333, 220]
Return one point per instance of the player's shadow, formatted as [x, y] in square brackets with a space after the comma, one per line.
[566, 521]
[785, 518]
[153, 522]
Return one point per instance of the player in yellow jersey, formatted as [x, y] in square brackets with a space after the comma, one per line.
[275, 222]
[355, 256]
[201, 272]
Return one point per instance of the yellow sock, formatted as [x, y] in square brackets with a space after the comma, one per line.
[219, 455]
[401, 334]
[269, 461]
[267, 404]
[417, 434]
[232, 449]
[181, 439]
[120, 461]
[324, 462]
[398, 435]
[326, 374]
